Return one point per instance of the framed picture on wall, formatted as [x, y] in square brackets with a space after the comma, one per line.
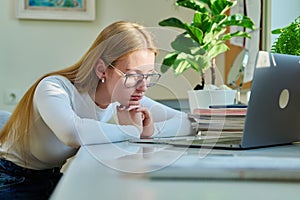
[80, 10]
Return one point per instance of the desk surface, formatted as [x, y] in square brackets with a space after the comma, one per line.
[135, 171]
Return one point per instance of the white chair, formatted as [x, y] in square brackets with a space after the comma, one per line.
[4, 116]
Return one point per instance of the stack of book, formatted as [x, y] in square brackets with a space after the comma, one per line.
[216, 121]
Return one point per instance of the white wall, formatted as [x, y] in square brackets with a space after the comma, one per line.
[30, 48]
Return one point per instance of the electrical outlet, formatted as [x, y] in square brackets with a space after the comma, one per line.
[12, 96]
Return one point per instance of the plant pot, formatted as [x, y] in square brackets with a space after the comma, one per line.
[206, 98]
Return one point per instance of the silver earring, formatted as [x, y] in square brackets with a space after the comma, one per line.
[102, 80]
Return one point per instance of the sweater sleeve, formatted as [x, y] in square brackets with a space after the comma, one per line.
[167, 121]
[56, 101]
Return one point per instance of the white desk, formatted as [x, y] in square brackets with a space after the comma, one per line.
[95, 174]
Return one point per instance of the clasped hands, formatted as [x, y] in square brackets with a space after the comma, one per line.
[138, 116]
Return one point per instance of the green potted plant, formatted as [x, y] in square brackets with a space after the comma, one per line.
[204, 37]
[288, 42]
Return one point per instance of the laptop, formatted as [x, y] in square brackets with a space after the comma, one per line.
[273, 114]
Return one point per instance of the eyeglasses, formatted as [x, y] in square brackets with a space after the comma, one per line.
[132, 80]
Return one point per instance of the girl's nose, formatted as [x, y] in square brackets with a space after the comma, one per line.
[142, 85]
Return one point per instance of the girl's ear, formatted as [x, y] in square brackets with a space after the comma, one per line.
[100, 68]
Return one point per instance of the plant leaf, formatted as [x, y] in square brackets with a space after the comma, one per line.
[212, 36]
[173, 22]
[182, 43]
[219, 7]
[168, 61]
[219, 19]
[277, 31]
[206, 2]
[202, 21]
[239, 20]
[192, 4]
[180, 65]
[228, 36]
[194, 64]
[194, 32]
[216, 50]
[199, 63]
[204, 62]
[197, 50]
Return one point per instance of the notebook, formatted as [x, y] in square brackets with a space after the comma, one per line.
[273, 114]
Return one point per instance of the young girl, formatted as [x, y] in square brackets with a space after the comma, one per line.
[97, 100]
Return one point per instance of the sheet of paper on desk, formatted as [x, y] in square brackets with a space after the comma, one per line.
[232, 167]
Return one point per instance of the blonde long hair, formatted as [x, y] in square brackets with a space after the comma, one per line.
[116, 40]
